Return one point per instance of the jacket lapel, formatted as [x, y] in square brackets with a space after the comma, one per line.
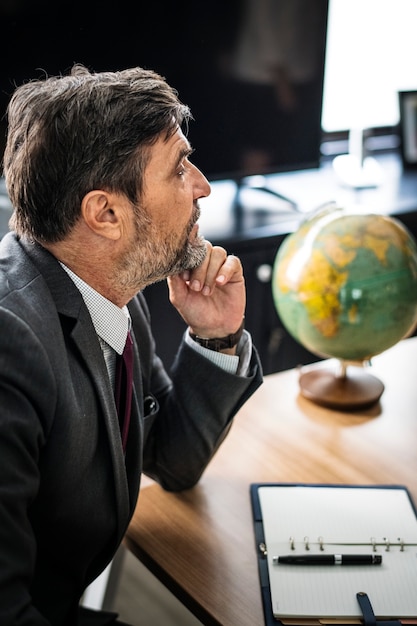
[90, 350]
[133, 458]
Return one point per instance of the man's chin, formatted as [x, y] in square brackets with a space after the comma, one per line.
[197, 253]
[192, 257]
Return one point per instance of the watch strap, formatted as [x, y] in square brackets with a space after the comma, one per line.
[220, 343]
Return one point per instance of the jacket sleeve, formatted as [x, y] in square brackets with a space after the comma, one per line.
[195, 409]
[22, 435]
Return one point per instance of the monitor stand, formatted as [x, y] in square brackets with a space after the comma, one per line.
[255, 212]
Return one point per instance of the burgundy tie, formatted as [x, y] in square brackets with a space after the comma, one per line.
[123, 387]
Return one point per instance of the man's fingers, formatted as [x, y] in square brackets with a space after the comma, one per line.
[231, 270]
[203, 278]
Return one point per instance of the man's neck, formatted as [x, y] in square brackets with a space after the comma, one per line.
[93, 263]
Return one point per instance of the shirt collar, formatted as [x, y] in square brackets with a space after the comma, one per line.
[111, 322]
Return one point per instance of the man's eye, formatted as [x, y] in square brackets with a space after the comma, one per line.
[182, 168]
[185, 164]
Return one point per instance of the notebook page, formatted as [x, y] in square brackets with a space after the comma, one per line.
[339, 517]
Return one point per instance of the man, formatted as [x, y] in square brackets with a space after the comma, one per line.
[105, 202]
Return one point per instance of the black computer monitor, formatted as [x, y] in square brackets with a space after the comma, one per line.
[251, 70]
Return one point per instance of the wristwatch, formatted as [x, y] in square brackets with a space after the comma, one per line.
[220, 343]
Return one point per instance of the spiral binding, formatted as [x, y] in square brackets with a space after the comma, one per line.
[375, 544]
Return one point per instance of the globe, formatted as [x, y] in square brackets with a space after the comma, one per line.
[344, 285]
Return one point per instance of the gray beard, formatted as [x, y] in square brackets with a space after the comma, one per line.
[146, 263]
[189, 257]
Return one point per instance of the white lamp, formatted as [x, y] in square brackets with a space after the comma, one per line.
[356, 169]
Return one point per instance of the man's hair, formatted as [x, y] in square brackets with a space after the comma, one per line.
[71, 134]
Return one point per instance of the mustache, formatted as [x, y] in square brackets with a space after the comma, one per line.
[194, 217]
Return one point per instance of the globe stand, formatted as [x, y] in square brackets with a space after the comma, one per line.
[341, 391]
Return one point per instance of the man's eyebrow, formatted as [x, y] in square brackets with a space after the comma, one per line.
[184, 153]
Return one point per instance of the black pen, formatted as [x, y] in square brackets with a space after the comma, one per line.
[329, 559]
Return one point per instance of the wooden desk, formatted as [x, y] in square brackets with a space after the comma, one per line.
[200, 543]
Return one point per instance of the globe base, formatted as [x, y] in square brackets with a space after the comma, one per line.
[348, 392]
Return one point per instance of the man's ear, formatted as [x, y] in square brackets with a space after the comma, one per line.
[102, 213]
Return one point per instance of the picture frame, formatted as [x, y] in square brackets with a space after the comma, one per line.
[408, 127]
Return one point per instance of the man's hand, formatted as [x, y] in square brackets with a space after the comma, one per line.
[212, 297]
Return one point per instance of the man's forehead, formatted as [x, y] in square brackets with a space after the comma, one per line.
[176, 145]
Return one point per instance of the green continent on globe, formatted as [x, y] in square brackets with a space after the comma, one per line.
[345, 283]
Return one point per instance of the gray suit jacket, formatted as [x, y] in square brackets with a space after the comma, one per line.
[67, 493]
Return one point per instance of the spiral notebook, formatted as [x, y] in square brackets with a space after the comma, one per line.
[298, 519]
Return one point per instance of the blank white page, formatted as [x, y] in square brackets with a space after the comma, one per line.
[345, 520]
